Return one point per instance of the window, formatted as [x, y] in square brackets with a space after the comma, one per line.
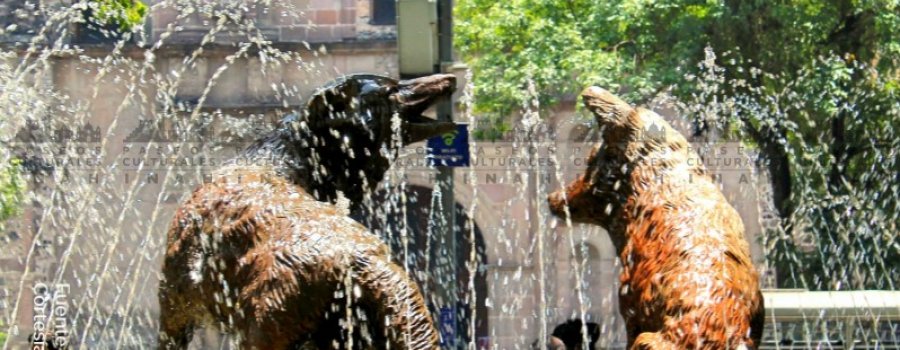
[384, 12]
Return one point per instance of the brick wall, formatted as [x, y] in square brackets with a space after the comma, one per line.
[291, 21]
[313, 21]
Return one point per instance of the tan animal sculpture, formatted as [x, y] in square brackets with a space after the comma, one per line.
[687, 281]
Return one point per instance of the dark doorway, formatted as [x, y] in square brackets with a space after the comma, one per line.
[384, 217]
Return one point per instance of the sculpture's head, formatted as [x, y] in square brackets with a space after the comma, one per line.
[580, 200]
[355, 123]
[584, 200]
[367, 104]
[637, 147]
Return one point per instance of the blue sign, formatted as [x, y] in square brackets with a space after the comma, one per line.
[450, 149]
[448, 326]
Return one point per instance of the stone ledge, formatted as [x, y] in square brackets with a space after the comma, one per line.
[181, 49]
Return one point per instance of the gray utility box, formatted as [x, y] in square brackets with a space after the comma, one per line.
[417, 37]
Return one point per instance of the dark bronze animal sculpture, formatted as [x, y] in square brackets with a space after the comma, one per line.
[687, 280]
[261, 251]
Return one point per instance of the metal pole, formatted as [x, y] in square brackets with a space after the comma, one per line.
[425, 45]
[445, 180]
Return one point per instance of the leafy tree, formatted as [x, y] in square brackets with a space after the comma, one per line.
[124, 15]
[12, 187]
[812, 84]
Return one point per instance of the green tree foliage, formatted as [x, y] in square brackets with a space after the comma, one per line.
[124, 15]
[812, 84]
[12, 186]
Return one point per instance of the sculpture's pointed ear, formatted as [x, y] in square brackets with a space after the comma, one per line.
[606, 107]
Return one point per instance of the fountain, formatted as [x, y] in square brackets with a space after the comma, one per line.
[113, 132]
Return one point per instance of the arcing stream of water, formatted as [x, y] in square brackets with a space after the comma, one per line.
[114, 135]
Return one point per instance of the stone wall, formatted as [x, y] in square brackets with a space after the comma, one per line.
[311, 21]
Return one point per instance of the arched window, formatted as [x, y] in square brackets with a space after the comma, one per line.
[384, 12]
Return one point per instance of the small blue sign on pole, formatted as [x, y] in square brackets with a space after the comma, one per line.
[448, 327]
[450, 149]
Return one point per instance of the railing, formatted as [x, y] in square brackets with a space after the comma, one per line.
[800, 319]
